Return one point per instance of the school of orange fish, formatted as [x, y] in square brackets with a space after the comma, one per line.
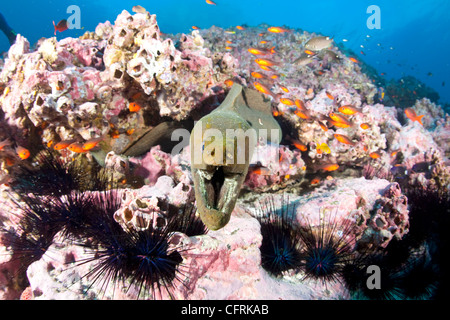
[265, 81]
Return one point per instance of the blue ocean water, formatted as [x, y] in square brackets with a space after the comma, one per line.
[413, 38]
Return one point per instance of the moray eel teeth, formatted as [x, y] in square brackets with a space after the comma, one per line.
[222, 145]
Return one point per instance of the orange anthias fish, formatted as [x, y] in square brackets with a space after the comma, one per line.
[76, 147]
[266, 68]
[287, 101]
[340, 119]
[22, 152]
[284, 89]
[411, 114]
[303, 114]
[134, 107]
[277, 113]
[262, 88]
[262, 171]
[344, 139]
[375, 155]
[329, 95]
[195, 27]
[315, 181]
[258, 75]
[229, 82]
[324, 127]
[211, 2]
[240, 28]
[114, 134]
[309, 52]
[277, 30]
[328, 167]
[300, 104]
[266, 62]
[63, 144]
[349, 110]
[92, 143]
[364, 126]
[339, 124]
[300, 146]
[257, 51]
[61, 26]
[353, 60]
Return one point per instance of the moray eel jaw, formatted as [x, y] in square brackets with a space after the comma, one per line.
[215, 192]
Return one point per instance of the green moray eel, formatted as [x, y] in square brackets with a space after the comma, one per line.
[222, 144]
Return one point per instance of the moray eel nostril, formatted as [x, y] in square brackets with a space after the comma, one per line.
[222, 145]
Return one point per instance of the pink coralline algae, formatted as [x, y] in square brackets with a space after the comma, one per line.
[357, 199]
[149, 204]
[110, 68]
[157, 163]
[388, 219]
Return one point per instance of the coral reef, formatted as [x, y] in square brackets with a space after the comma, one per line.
[108, 103]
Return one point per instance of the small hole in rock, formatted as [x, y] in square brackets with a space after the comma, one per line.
[118, 74]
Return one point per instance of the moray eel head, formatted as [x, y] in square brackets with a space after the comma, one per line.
[222, 144]
[219, 164]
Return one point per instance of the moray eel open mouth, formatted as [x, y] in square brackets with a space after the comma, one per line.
[217, 187]
[222, 145]
[213, 190]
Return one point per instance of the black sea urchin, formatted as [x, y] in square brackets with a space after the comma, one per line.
[78, 214]
[360, 279]
[327, 247]
[419, 278]
[33, 233]
[410, 277]
[187, 222]
[143, 260]
[280, 247]
[429, 212]
[50, 176]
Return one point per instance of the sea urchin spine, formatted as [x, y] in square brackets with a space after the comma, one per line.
[281, 242]
[327, 247]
